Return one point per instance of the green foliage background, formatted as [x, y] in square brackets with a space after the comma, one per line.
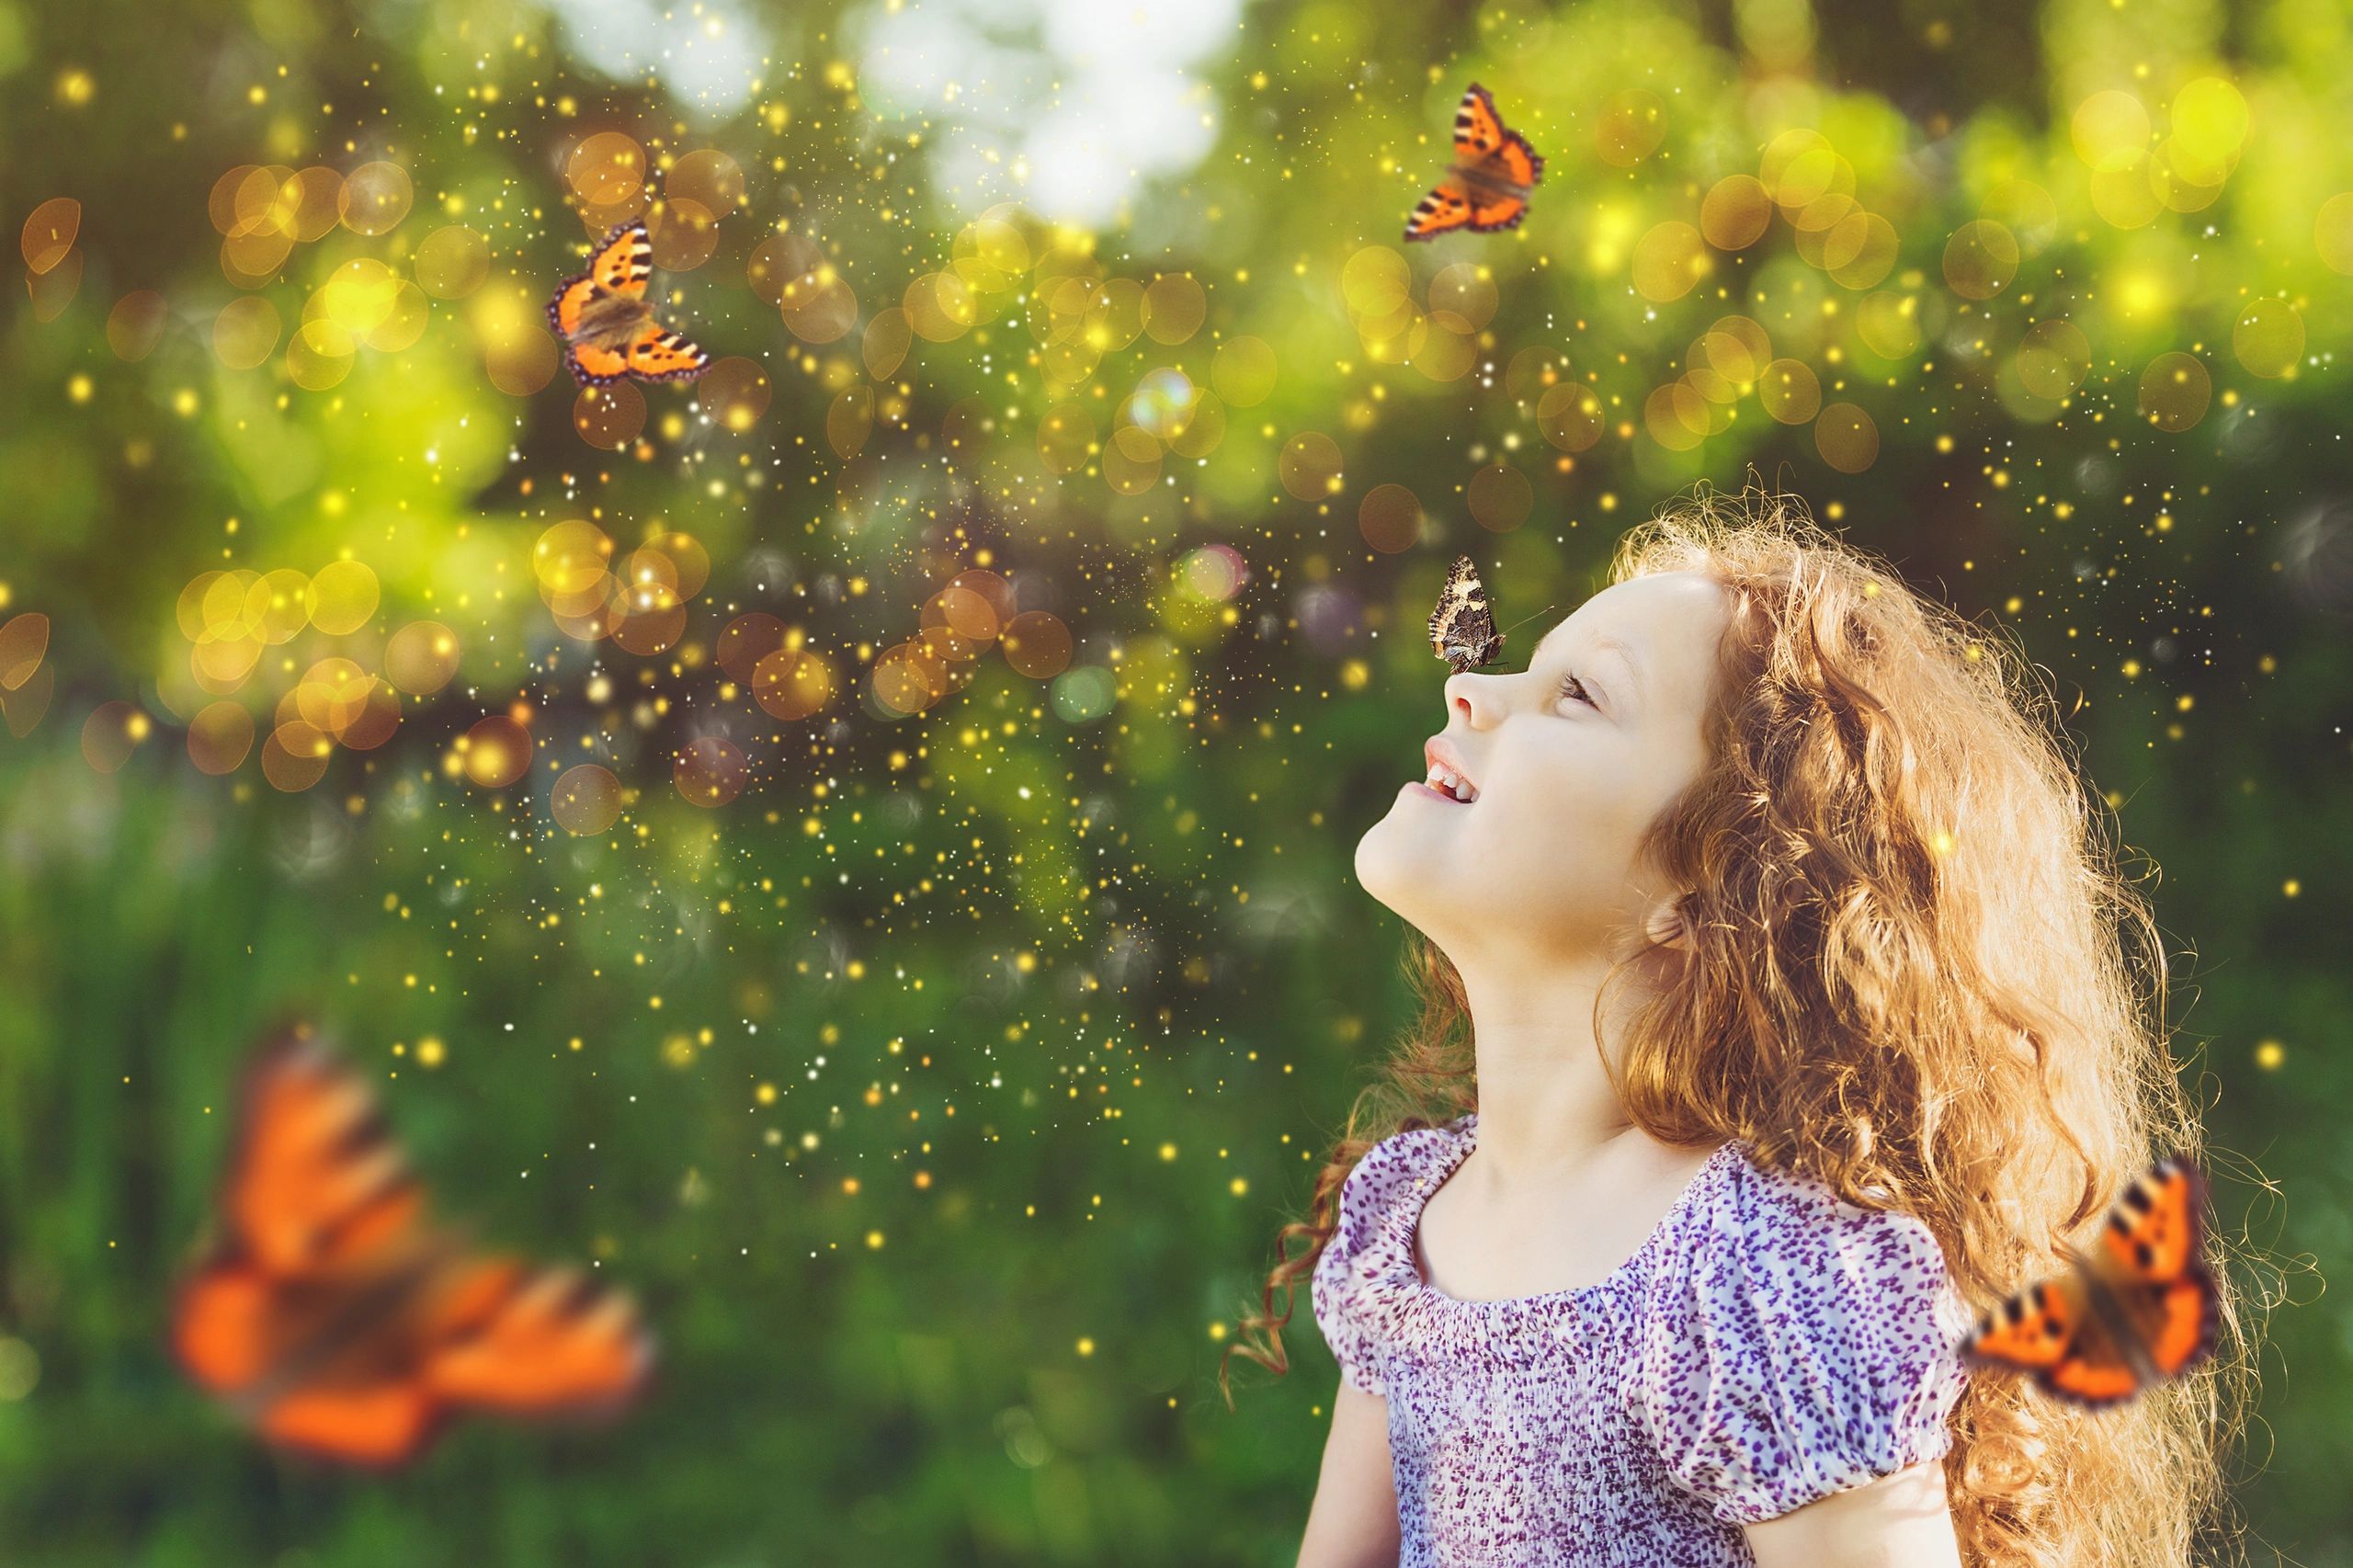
[1123, 945]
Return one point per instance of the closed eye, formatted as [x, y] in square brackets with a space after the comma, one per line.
[1572, 687]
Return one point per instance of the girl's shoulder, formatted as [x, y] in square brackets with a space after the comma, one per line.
[1770, 1224]
[1395, 1172]
[1790, 1344]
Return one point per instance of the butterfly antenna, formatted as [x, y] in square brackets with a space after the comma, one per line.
[1524, 620]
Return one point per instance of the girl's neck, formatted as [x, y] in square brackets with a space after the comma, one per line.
[1546, 1107]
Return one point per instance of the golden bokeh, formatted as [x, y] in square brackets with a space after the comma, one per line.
[709, 178]
[49, 232]
[683, 234]
[219, 738]
[2268, 339]
[1174, 308]
[1790, 391]
[1735, 212]
[609, 417]
[1500, 498]
[735, 392]
[136, 324]
[1036, 644]
[2175, 391]
[111, 732]
[745, 640]
[452, 262]
[495, 752]
[586, 801]
[1669, 260]
[709, 771]
[2053, 358]
[1389, 518]
[1243, 371]
[1847, 437]
[375, 198]
[24, 643]
[343, 598]
[1310, 466]
[1569, 415]
[885, 343]
[421, 657]
[52, 291]
[850, 420]
[606, 168]
[246, 333]
[791, 683]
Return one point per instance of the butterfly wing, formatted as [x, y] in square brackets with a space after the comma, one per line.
[1505, 213]
[1514, 164]
[595, 365]
[2032, 1331]
[316, 1185]
[2150, 1254]
[537, 1342]
[620, 265]
[1457, 576]
[624, 260]
[2153, 1234]
[1462, 631]
[2049, 1330]
[571, 298]
[330, 1317]
[1478, 129]
[319, 1210]
[1448, 206]
[658, 353]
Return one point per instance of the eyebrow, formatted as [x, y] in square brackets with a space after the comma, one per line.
[1603, 643]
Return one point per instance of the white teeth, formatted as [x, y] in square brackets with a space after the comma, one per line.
[1445, 780]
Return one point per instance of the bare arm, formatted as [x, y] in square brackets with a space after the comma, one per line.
[1897, 1521]
[1353, 1523]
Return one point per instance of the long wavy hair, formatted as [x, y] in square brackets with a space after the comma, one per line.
[1915, 972]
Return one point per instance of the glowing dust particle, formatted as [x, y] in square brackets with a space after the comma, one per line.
[2291, 887]
[1217, 1331]
[79, 388]
[1085, 1346]
[2268, 1054]
[1168, 1151]
[874, 1238]
[1239, 1186]
[430, 1051]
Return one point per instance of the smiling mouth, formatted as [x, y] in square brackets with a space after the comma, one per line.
[1448, 786]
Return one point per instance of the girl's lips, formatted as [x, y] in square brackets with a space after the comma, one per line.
[1436, 794]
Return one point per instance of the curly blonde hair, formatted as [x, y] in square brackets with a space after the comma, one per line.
[1915, 971]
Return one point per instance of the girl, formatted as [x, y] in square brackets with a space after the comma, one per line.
[1782, 1009]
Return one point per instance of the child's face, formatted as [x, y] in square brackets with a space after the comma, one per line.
[1543, 860]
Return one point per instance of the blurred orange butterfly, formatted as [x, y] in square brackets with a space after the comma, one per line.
[328, 1315]
[2139, 1309]
[1487, 187]
[609, 330]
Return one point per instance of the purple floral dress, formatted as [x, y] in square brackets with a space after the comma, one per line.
[1767, 1345]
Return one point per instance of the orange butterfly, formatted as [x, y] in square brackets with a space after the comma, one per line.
[2139, 1309]
[609, 330]
[327, 1314]
[1487, 187]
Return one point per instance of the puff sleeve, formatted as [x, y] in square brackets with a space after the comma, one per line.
[1797, 1347]
[1338, 1287]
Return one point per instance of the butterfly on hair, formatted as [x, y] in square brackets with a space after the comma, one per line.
[1486, 187]
[1462, 630]
[2139, 1309]
[608, 329]
[328, 1315]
